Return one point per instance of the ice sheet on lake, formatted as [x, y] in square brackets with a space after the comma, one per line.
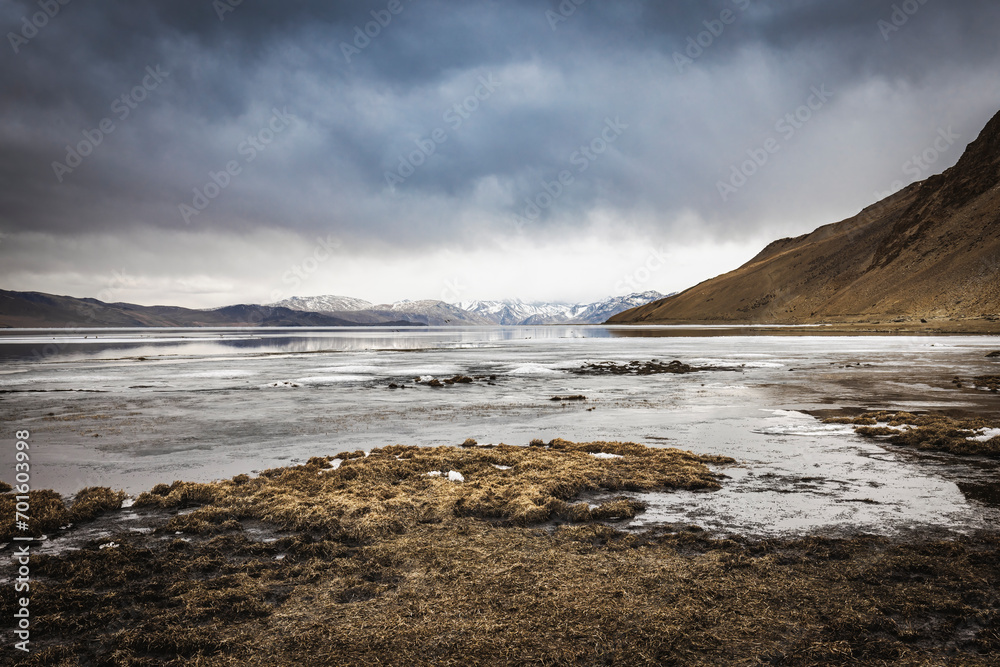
[206, 424]
[788, 422]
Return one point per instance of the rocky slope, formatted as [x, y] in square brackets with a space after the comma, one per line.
[930, 252]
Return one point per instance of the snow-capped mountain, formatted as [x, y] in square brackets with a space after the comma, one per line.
[601, 311]
[514, 312]
[359, 311]
[440, 313]
[323, 304]
[432, 313]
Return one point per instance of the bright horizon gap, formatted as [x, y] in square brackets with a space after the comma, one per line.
[531, 274]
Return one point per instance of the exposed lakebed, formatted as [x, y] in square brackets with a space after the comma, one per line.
[130, 409]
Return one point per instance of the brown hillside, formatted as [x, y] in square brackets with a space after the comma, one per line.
[931, 251]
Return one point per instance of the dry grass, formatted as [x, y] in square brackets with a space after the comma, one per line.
[387, 566]
[991, 382]
[48, 512]
[390, 491]
[925, 431]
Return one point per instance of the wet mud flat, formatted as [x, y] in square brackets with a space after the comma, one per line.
[484, 555]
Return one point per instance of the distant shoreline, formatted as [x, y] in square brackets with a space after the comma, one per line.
[652, 329]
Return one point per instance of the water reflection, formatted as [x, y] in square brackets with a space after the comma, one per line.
[115, 343]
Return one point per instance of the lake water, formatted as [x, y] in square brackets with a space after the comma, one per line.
[131, 408]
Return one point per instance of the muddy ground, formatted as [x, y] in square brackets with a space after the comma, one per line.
[516, 558]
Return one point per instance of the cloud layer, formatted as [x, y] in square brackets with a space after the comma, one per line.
[421, 129]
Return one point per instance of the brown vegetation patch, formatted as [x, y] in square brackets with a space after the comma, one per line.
[390, 491]
[447, 382]
[991, 382]
[654, 367]
[48, 512]
[925, 431]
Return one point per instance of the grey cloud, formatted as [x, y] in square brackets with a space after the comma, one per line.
[354, 120]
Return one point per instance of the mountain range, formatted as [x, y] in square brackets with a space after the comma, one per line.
[510, 312]
[520, 313]
[35, 309]
[927, 255]
[39, 310]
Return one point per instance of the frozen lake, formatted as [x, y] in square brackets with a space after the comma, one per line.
[131, 408]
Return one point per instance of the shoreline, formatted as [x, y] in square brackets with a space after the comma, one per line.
[866, 328]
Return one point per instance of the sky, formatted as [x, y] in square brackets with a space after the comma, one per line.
[203, 153]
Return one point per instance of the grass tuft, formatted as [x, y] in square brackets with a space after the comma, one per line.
[926, 431]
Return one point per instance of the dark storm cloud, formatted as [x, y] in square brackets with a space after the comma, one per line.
[563, 71]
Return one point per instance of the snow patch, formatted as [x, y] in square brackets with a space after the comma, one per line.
[453, 476]
[334, 464]
[986, 435]
[603, 455]
[534, 369]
